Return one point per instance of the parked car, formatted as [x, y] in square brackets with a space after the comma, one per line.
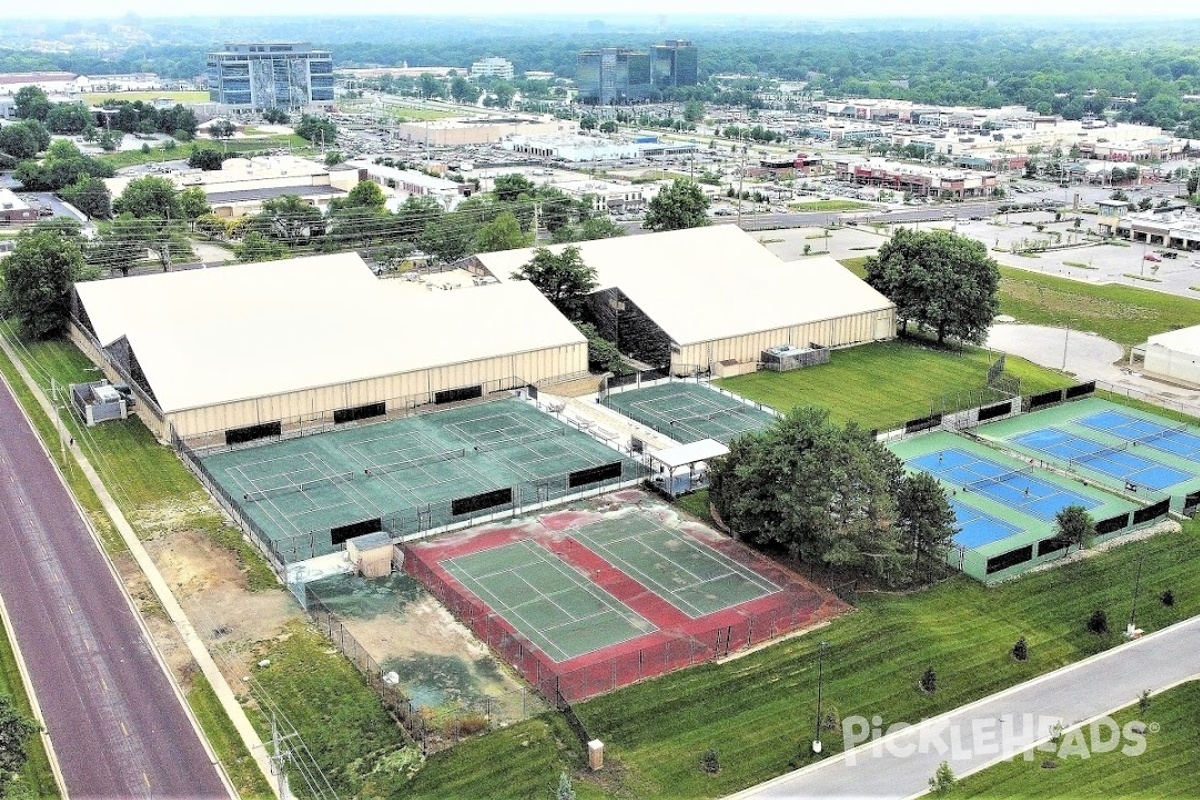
[1152, 257]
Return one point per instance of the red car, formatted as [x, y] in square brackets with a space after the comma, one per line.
[1152, 257]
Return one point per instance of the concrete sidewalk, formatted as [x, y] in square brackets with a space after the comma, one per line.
[996, 728]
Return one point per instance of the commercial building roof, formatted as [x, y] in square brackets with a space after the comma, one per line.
[210, 336]
[273, 192]
[710, 283]
[1184, 340]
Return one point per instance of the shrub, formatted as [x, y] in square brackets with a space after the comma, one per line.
[1098, 622]
[928, 681]
[1168, 598]
[1020, 651]
[710, 763]
[942, 781]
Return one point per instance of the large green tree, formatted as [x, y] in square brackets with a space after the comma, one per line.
[68, 118]
[90, 196]
[150, 196]
[37, 281]
[18, 141]
[926, 521]
[256, 247]
[939, 281]
[680, 205]
[502, 233]
[562, 277]
[15, 732]
[827, 494]
[508, 188]
[63, 165]
[1073, 525]
[289, 219]
[31, 102]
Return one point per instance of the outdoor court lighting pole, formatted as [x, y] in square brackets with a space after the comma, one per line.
[1137, 582]
[821, 648]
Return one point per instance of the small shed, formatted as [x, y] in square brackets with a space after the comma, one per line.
[371, 554]
[683, 469]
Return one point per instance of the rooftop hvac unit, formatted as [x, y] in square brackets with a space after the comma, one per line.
[785, 358]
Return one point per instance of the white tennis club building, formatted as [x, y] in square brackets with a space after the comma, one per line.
[1174, 356]
[697, 298]
[249, 350]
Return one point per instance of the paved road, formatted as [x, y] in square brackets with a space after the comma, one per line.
[974, 736]
[115, 722]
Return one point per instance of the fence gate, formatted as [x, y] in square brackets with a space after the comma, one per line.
[424, 518]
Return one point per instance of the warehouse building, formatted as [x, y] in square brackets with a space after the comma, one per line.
[1173, 356]
[230, 354]
[698, 298]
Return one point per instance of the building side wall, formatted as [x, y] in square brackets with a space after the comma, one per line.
[415, 388]
[867, 326]
[1174, 365]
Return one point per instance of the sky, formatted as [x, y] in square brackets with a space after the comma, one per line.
[1081, 10]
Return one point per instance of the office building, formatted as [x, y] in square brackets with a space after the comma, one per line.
[270, 75]
[492, 67]
[674, 63]
[613, 75]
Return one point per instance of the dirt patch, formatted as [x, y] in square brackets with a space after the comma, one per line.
[166, 637]
[208, 582]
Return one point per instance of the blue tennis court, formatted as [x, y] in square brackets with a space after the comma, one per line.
[1177, 440]
[1114, 461]
[976, 528]
[1019, 489]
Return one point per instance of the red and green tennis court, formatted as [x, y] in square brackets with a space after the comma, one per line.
[582, 601]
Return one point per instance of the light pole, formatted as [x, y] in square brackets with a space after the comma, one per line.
[821, 648]
[1137, 582]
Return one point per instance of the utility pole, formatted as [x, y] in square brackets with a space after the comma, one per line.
[279, 758]
[741, 178]
[821, 648]
[1137, 582]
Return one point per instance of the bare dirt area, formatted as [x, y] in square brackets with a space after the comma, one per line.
[212, 588]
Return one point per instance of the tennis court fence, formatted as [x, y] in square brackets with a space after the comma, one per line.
[433, 728]
[664, 652]
[422, 520]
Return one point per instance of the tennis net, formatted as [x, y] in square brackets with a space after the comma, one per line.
[512, 441]
[1162, 434]
[303, 486]
[711, 415]
[409, 463]
[993, 480]
[1095, 455]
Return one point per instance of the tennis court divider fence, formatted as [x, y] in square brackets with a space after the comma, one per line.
[434, 729]
[675, 652]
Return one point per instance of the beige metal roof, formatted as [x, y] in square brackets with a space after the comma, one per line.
[710, 283]
[212, 336]
[1184, 340]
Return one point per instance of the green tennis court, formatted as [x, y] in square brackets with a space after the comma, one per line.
[695, 579]
[689, 412]
[414, 474]
[549, 602]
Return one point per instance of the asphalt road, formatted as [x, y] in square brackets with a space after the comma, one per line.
[115, 722]
[976, 735]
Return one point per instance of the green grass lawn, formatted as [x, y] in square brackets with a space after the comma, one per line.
[882, 384]
[360, 749]
[243, 772]
[828, 205]
[1125, 314]
[253, 144]
[1167, 768]
[97, 98]
[756, 711]
[411, 114]
[36, 777]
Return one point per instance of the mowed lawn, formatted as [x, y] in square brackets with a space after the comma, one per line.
[98, 98]
[883, 384]
[1167, 768]
[1125, 314]
[758, 711]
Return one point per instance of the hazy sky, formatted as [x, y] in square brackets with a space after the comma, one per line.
[1083, 10]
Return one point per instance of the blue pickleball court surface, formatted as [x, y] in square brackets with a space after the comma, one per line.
[1116, 462]
[1018, 489]
[976, 528]
[1178, 440]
